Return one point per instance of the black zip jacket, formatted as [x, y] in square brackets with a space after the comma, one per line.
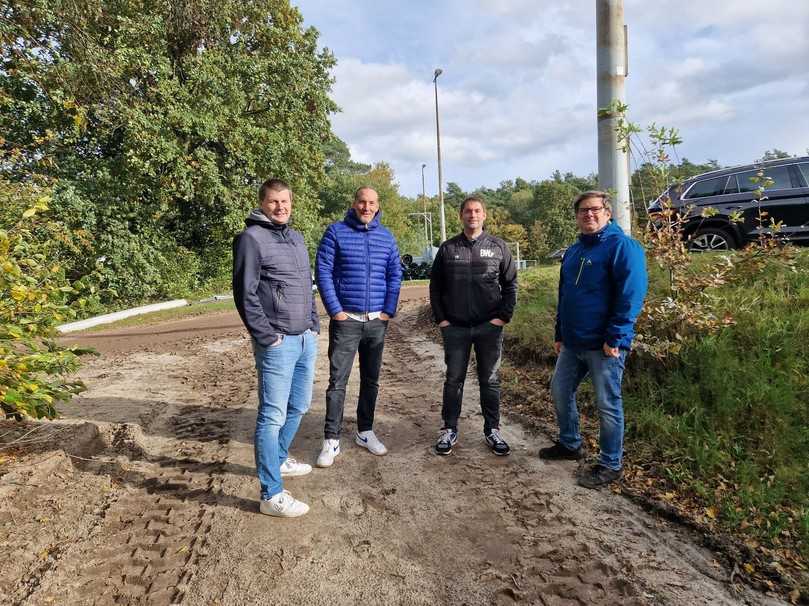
[272, 280]
[473, 282]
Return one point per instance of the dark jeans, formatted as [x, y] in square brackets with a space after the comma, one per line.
[346, 338]
[487, 340]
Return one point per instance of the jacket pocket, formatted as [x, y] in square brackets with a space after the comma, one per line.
[277, 298]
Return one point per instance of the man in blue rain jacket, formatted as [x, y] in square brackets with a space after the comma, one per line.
[602, 284]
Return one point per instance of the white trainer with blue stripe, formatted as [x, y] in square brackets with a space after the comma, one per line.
[368, 440]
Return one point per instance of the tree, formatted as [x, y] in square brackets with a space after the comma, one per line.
[554, 201]
[774, 154]
[337, 194]
[164, 118]
[338, 158]
[35, 296]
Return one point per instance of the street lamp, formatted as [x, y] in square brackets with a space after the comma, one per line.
[424, 202]
[437, 73]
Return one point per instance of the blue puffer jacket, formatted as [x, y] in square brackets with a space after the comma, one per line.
[602, 284]
[358, 267]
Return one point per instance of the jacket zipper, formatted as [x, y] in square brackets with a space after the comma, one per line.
[368, 272]
[469, 283]
[581, 267]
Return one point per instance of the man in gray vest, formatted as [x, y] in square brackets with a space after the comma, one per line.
[272, 288]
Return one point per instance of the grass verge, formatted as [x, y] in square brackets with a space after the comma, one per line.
[721, 431]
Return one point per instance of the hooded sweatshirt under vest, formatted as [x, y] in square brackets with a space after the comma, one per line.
[272, 280]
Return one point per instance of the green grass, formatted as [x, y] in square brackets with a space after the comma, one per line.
[728, 418]
[531, 330]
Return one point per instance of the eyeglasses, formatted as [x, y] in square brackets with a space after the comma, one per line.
[595, 210]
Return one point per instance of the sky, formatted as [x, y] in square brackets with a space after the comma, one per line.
[517, 96]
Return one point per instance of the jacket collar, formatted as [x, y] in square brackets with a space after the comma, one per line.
[483, 236]
[353, 221]
[256, 217]
[610, 229]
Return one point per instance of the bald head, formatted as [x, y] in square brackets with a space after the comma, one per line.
[366, 204]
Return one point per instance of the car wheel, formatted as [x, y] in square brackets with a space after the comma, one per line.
[710, 239]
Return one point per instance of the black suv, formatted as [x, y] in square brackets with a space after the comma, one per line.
[731, 194]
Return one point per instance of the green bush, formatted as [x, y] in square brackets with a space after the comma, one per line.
[531, 330]
[35, 296]
[734, 405]
[726, 414]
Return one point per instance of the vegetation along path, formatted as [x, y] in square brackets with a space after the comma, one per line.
[145, 494]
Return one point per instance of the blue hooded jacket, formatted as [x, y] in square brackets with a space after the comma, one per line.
[602, 284]
[358, 267]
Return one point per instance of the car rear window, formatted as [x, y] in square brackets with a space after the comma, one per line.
[708, 187]
[805, 170]
[779, 175]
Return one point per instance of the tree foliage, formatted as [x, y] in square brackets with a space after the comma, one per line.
[35, 296]
[536, 214]
[162, 118]
[346, 176]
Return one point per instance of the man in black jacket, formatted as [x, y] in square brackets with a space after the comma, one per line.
[272, 288]
[473, 290]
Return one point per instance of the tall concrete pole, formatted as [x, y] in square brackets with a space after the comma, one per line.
[437, 73]
[612, 59]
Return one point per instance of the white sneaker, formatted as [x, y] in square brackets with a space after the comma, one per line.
[331, 448]
[283, 505]
[368, 440]
[291, 468]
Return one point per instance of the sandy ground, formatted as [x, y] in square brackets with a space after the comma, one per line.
[145, 494]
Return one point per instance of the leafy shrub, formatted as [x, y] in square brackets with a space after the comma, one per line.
[35, 296]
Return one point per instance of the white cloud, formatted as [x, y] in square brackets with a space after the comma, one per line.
[518, 91]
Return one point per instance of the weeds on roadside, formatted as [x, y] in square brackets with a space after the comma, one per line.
[717, 419]
[720, 377]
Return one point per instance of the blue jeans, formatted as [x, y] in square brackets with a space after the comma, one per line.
[606, 374]
[285, 375]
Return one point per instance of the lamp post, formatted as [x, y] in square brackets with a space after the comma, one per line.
[437, 73]
[424, 202]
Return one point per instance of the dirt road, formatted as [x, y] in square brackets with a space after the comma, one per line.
[145, 494]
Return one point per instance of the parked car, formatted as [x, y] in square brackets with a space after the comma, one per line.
[730, 192]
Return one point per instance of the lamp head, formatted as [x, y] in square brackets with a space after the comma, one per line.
[437, 73]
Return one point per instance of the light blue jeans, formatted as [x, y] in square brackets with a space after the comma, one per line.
[606, 374]
[285, 375]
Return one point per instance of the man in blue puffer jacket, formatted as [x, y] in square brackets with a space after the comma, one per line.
[602, 284]
[359, 274]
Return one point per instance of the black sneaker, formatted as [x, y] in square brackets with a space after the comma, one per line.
[560, 452]
[446, 441]
[596, 476]
[497, 444]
